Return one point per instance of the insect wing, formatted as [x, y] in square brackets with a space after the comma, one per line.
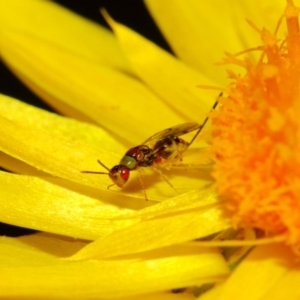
[173, 131]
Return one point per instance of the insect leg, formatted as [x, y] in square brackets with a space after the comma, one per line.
[142, 182]
[109, 186]
[164, 178]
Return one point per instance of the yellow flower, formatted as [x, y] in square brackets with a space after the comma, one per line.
[125, 247]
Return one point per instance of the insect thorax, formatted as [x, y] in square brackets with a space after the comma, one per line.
[137, 157]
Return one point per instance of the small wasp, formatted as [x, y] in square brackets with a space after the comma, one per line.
[164, 149]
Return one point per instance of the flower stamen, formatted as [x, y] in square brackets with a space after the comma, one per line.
[256, 136]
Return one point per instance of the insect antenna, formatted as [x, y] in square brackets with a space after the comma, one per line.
[96, 172]
[205, 121]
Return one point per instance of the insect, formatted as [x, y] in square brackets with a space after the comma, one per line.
[162, 149]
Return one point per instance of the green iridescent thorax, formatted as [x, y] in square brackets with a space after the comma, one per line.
[129, 162]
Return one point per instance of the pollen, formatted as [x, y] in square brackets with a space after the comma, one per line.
[256, 136]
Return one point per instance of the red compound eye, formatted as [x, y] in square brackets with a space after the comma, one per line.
[124, 174]
[119, 175]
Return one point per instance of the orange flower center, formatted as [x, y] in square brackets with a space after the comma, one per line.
[257, 137]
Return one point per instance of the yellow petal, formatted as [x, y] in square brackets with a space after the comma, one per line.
[193, 28]
[77, 86]
[287, 287]
[59, 156]
[54, 207]
[195, 199]
[41, 274]
[263, 13]
[162, 230]
[194, 32]
[267, 268]
[172, 80]
[54, 24]
[99, 92]
[34, 118]
[34, 203]
[44, 245]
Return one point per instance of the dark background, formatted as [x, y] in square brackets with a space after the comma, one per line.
[133, 13]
